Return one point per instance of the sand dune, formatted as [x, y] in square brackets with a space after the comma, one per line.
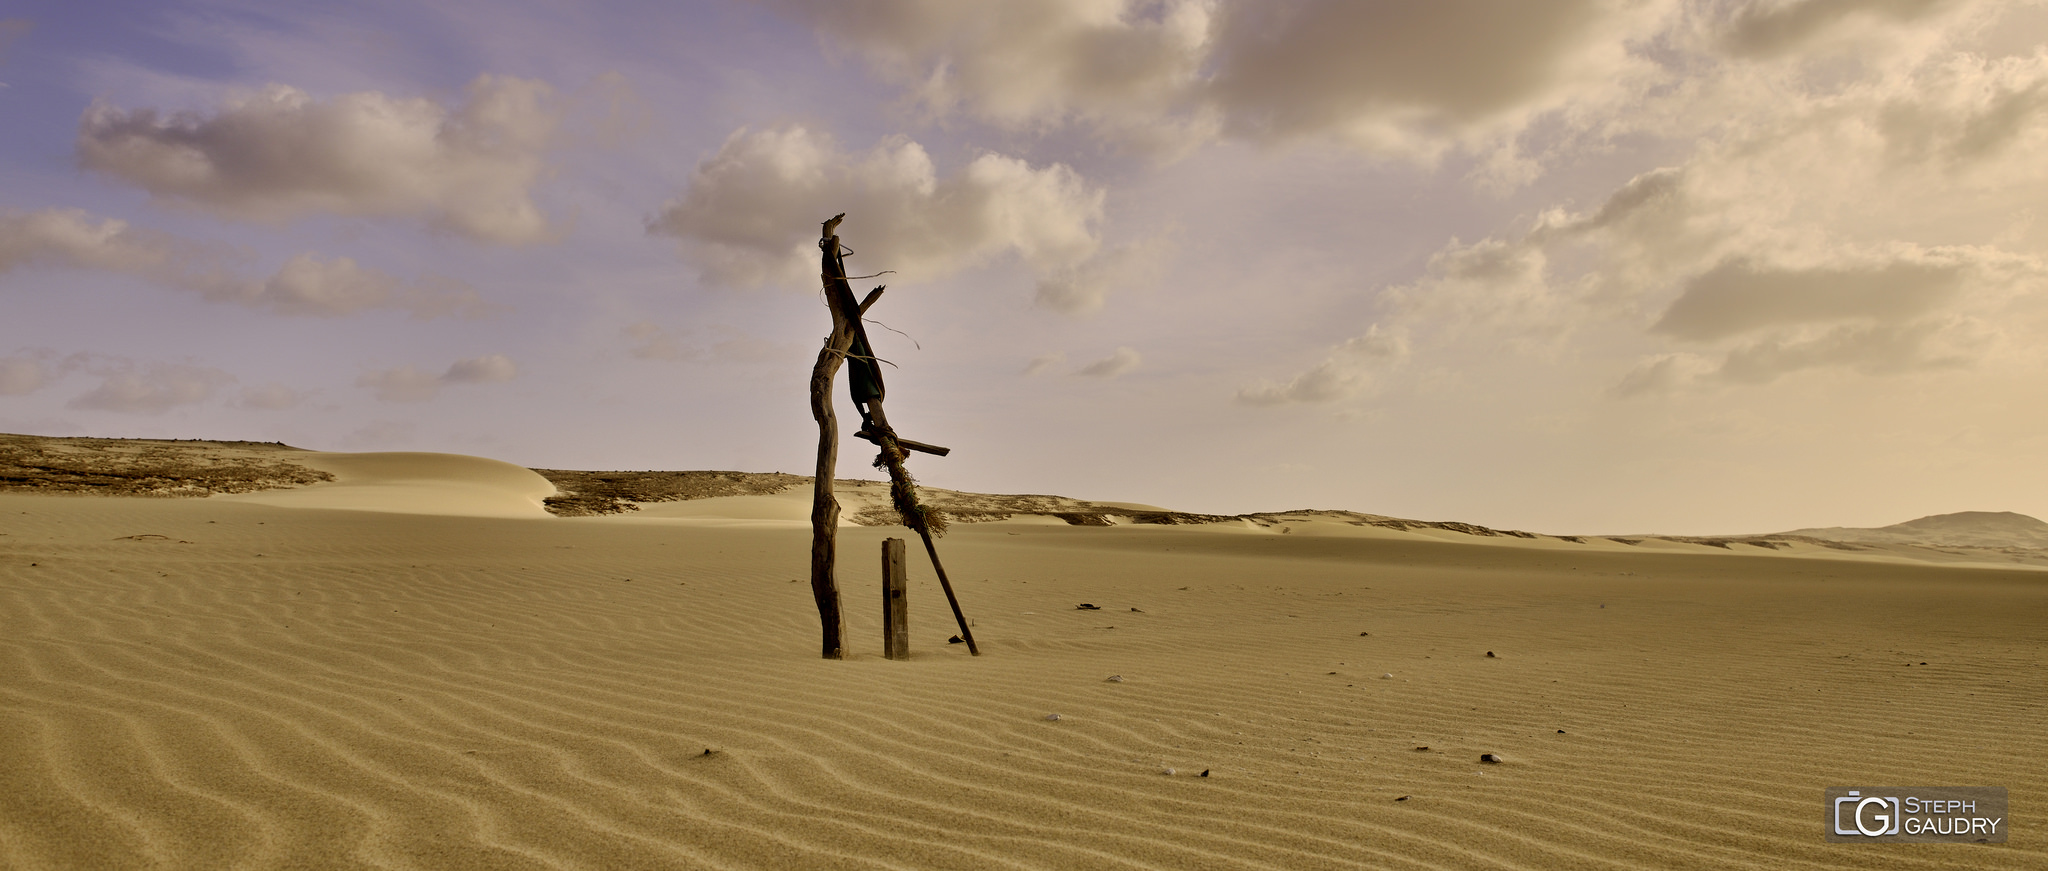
[223, 683]
[413, 483]
[1983, 529]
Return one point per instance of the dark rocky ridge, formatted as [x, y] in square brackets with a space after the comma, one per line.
[148, 467]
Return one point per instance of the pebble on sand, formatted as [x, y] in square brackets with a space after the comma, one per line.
[1053, 717]
[1404, 798]
[1489, 655]
[1489, 757]
[1115, 678]
[1387, 676]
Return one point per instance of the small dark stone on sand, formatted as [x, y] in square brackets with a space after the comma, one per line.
[1363, 634]
[1403, 798]
[1084, 606]
[710, 752]
[1560, 731]
[956, 640]
[1422, 749]
[1140, 612]
[1205, 773]
[1489, 655]
[1488, 757]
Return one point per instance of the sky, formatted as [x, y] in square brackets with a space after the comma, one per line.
[1580, 266]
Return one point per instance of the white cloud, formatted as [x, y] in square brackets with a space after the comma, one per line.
[1870, 220]
[270, 397]
[281, 154]
[1328, 381]
[1873, 349]
[1117, 363]
[1416, 78]
[1775, 28]
[1662, 373]
[410, 384]
[155, 390]
[1517, 85]
[1410, 79]
[305, 285]
[35, 369]
[752, 211]
[22, 374]
[481, 370]
[1133, 68]
[1344, 373]
[1085, 288]
[1044, 363]
[1738, 296]
[69, 237]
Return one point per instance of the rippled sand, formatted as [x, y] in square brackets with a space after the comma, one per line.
[214, 683]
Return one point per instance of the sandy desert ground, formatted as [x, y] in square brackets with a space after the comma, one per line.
[413, 665]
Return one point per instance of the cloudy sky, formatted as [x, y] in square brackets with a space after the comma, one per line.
[1574, 266]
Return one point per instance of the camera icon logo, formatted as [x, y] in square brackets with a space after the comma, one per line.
[1870, 816]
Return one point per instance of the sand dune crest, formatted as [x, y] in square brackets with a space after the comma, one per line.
[414, 483]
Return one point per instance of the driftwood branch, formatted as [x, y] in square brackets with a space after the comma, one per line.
[824, 504]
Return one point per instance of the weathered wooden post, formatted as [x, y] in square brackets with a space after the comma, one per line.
[895, 609]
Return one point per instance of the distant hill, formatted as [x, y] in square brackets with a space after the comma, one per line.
[1961, 529]
[197, 468]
